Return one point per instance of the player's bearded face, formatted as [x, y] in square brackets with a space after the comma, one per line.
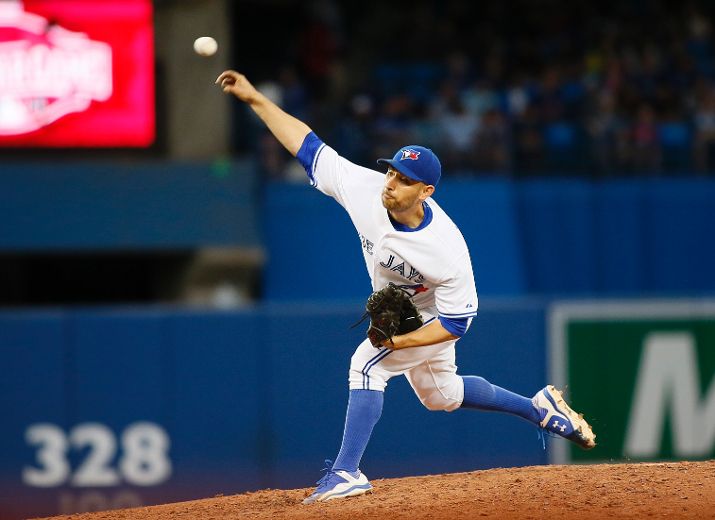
[400, 193]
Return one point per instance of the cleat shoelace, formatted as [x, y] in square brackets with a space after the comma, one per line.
[328, 472]
[542, 433]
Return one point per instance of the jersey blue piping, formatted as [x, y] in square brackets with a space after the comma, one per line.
[465, 315]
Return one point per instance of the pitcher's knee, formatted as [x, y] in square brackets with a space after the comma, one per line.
[436, 401]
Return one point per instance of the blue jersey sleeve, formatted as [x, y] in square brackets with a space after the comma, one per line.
[456, 326]
[308, 154]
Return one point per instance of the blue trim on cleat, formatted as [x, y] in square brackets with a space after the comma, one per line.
[557, 417]
[338, 484]
[350, 491]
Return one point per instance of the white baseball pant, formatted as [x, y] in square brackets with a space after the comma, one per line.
[430, 370]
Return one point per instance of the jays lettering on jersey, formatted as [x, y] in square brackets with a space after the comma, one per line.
[431, 261]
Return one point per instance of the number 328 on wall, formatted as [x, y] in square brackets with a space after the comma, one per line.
[144, 458]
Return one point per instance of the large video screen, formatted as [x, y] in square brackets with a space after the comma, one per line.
[76, 73]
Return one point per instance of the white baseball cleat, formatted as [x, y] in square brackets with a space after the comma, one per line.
[339, 484]
[557, 417]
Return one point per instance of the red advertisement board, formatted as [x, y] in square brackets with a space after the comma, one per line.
[76, 73]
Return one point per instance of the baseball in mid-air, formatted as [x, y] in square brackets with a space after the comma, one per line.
[205, 46]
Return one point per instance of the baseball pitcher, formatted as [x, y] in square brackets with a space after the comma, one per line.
[424, 296]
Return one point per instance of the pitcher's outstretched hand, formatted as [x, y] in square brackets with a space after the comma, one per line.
[232, 82]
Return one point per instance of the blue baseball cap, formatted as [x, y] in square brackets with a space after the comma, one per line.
[416, 162]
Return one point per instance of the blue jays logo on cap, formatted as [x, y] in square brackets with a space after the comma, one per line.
[416, 162]
[409, 154]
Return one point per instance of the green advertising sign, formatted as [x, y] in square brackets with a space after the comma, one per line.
[643, 375]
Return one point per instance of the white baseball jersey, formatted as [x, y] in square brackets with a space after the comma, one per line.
[432, 262]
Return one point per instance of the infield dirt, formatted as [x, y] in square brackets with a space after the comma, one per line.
[603, 491]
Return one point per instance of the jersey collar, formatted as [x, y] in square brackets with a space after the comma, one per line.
[425, 221]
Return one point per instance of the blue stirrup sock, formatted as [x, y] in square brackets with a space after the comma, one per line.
[480, 394]
[364, 410]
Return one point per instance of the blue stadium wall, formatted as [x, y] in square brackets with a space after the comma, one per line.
[558, 237]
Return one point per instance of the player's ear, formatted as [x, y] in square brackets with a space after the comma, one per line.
[427, 191]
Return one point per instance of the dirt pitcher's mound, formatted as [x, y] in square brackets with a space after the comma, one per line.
[666, 490]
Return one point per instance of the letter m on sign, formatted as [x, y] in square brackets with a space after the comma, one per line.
[668, 384]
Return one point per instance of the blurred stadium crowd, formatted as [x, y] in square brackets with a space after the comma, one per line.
[507, 88]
